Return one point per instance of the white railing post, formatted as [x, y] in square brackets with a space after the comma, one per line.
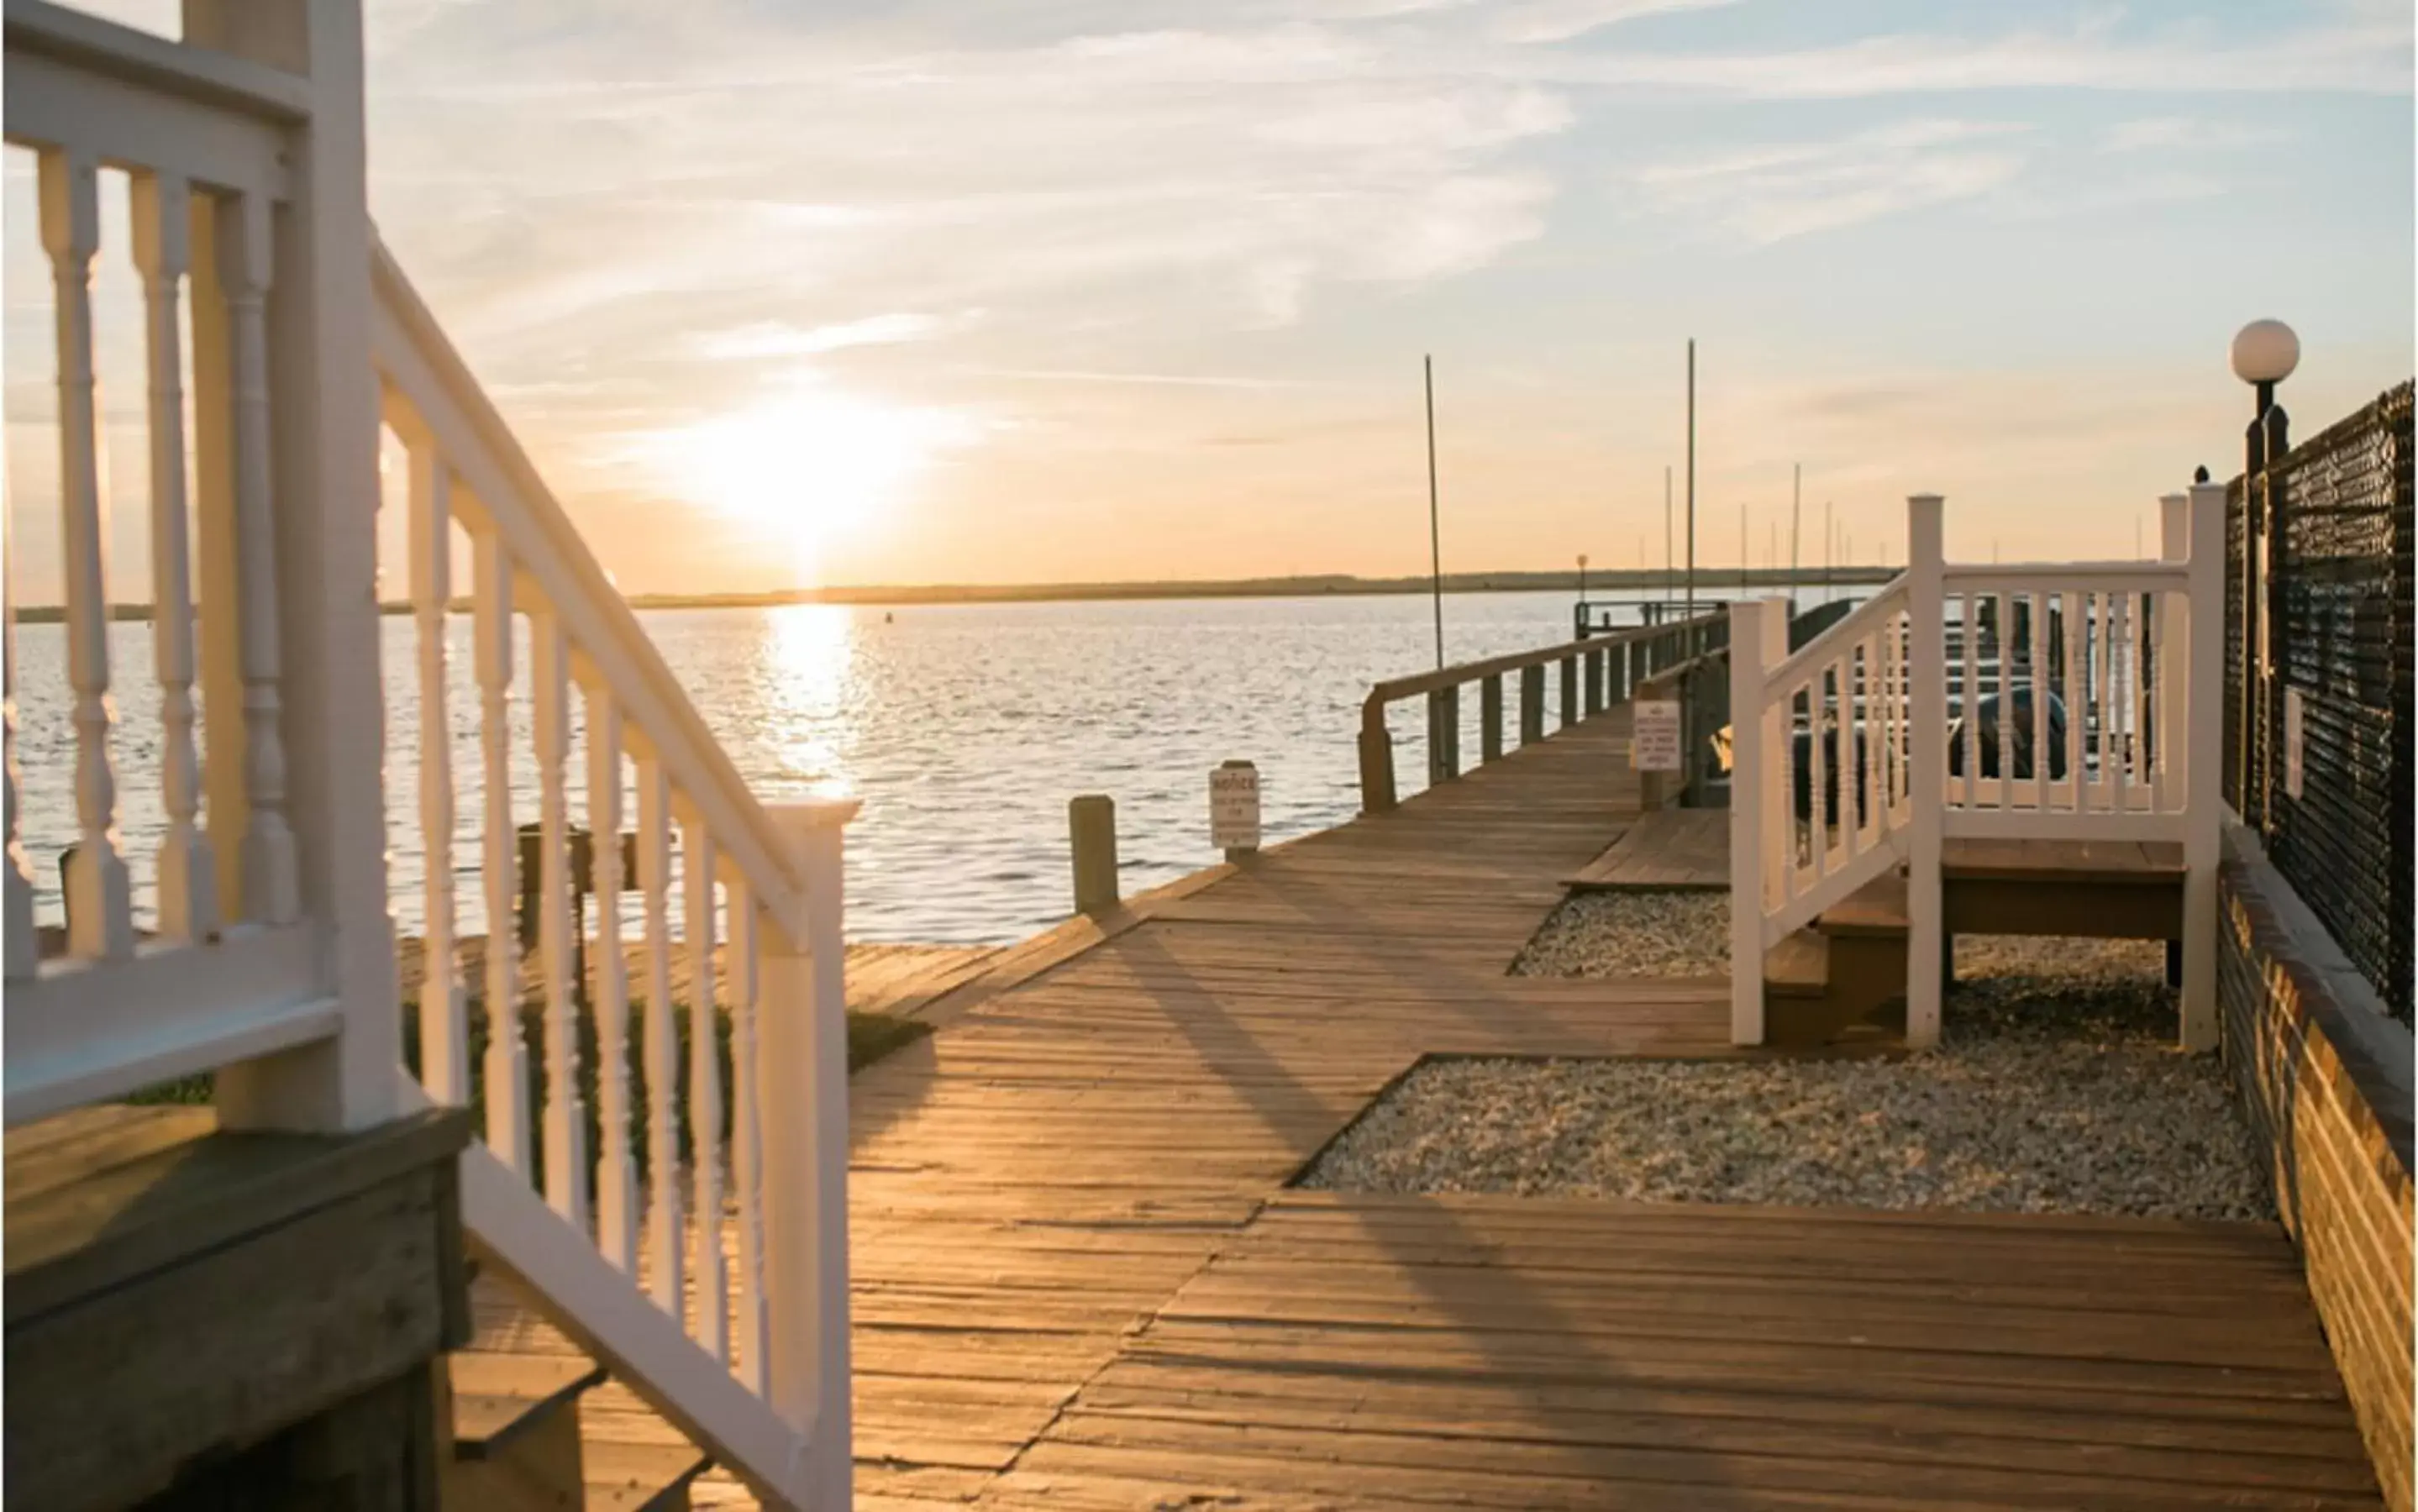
[100, 920]
[2201, 710]
[187, 877]
[1758, 640]
[1927, 727]
[317, 563]
[19, 946]
[802, 1071]
[2174, 650]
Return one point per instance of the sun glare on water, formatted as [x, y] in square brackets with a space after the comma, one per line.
[814, 466]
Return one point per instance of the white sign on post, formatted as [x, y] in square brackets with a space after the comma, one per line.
[2292, 770]
[1235, 806]
[1654, 739]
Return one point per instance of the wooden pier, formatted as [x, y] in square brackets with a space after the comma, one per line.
[1082, 1279]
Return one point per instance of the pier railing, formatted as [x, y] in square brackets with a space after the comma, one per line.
[2060, 701]
[1590, 676]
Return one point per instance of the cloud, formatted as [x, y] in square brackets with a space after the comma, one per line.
[774, 338]
[1771, 193]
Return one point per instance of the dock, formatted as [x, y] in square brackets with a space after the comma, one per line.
[1081, 1277]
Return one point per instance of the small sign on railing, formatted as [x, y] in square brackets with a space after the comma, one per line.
[1235, 806]
[1654, 738]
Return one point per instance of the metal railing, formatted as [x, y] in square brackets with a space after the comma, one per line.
[2320, 722]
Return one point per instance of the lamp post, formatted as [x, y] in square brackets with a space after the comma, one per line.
[1584, 624]
[2265, 352]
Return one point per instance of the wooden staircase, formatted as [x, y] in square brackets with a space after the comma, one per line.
[513, 1406]
[1843, 977]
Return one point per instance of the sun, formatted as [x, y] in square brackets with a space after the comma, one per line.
[812, 464]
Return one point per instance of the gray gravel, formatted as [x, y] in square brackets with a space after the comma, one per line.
[2056, 1089]
[1631, 934]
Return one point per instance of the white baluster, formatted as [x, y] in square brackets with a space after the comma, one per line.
[2140, 623]
[444, 1019]
[1969, 697]
[507, 1058]
[2115, 740]
[2077, 708]
[20, 947]
[2173, 759]
[617, 1175]
[2006, 637]
[566, 1116]
[748, 1348]
[101, 915]
[2037, 608]
[698, 865]
[162, 253]
[1868, 755]
[1817, 785]
[663, 1042]
[271, 881]
[2102, 670]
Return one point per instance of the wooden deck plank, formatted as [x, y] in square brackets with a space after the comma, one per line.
[1079, 1278]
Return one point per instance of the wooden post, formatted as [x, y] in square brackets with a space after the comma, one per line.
[1532, 704]
[1091, 837]
[1751, 754]
[1489, 718]
[1927, 701]
[1595, 683]
[1444, 735]
[1376, 760]
[2202, 712]
[319, 566]
[802, 1089]
[1570, 690]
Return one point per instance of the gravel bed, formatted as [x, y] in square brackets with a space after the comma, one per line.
[1631, 934]
[2056, 1089]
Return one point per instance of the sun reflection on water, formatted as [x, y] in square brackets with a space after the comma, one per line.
[810, 652]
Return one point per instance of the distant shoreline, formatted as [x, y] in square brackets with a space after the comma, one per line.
[1708, 581]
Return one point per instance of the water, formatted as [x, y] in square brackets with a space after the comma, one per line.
[965, 729]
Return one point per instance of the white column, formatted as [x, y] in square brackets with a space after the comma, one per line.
[566, 1113]
[506, 1062]
[19, 946]
[271, 888]
[320, 568]
[101, 916]
[162, 255]
[1927, 673]
[801, 1069]
[2201, 712]
[1748, 821]
[2174, 654]
[444, 1018]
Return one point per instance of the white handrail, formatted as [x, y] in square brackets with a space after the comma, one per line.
[1850, 627]
[441, 397]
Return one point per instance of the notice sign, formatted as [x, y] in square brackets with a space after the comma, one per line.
[2292, 771]
[1235, 806]
[1654, 744]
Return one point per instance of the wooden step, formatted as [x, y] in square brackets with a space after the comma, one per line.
[1798, 967]
[1877, 909]
[515, 1404]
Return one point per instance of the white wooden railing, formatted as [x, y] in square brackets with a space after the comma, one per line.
[1868, 751]
[710, 1272]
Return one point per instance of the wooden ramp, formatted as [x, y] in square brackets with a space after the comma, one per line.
[1666, 849]
[1080, 1278]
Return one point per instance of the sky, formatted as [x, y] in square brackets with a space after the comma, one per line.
[938, 292]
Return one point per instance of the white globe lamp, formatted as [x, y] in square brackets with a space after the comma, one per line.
[2265, 352]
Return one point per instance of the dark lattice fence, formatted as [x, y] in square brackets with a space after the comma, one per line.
[2338, 533]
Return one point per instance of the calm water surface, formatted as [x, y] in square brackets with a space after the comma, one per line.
[965, 729]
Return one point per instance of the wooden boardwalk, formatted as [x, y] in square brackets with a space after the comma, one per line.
[1080, 1280]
